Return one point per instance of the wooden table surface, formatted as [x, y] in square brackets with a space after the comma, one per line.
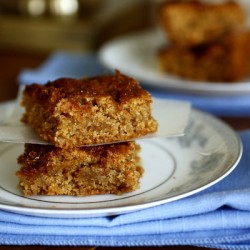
[11, 63]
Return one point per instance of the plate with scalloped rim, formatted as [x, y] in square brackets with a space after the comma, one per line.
[174, 168]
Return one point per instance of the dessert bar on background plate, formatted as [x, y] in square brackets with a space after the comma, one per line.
[128, 54]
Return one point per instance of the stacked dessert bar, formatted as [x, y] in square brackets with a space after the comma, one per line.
[207, 41]
[91, 125]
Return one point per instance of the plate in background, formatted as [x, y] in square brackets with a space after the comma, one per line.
[135, 55]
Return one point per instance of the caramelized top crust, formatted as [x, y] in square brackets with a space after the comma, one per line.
[119, 87]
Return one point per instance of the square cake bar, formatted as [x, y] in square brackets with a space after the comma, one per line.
[192, 23]
[77, 112]
[224, 60]
[105, 169]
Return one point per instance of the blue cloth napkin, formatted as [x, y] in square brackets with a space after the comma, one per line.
[62, 64]
[218, 217]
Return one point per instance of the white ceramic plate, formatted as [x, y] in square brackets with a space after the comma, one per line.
[174, 168]
[135, 55]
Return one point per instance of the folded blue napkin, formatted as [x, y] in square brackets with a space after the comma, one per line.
[218, 217]
[62, 64]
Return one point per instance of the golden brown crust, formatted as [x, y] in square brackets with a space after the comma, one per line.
[48, 170]
[224, 60]
[191, 23]
[119, 87]
[105, 109]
